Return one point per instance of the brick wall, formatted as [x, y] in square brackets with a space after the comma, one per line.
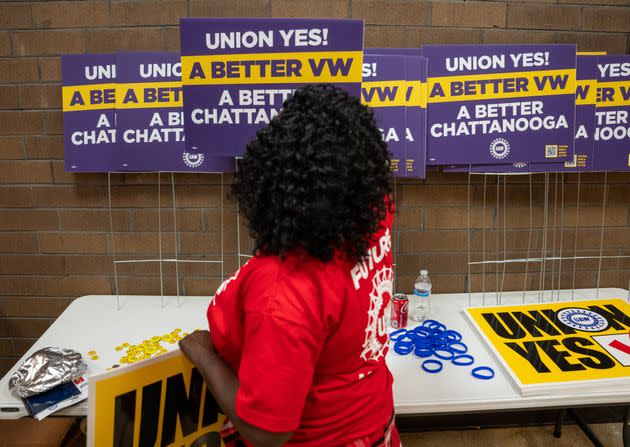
[55, 243]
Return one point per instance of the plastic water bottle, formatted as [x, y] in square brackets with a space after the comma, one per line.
[421, 297]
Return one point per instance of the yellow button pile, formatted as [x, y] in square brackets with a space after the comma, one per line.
[149, 348]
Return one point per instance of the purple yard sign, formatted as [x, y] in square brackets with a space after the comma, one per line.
[150, 117]
[236, 73]
[584, 130]
[384, 90]
[498, 104]
[89, 111]
[612, 121]
[416, 71]
[412, 164]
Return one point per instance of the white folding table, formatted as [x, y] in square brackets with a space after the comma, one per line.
[102, 322]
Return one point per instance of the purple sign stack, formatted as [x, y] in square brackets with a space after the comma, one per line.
[416, 72]
[413, 164]
[384, 90]
[237, 73]
[89, 111]
[498, 104]
[479, 108]
[612, 119]
[584, 130]
[150, 117]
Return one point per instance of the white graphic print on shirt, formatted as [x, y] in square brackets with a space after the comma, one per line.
[376, 328]
[376, 253]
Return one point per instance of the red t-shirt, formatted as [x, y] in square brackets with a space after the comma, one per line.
[308, 341]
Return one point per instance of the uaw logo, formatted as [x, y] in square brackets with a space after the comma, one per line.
[193, 160]
[376, 330]
[582, 319]
[572, 163]
[499, 148]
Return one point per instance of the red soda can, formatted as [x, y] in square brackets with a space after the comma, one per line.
[400, 310]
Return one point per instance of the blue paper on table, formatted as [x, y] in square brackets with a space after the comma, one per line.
[43, 404]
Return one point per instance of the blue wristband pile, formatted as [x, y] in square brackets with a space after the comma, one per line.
[398, 334]
[421, 352]
[434, 339]
[453, 335]
[403, 347]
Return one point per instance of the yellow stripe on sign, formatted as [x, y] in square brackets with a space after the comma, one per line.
[384, 93]
[273, 68]
[501, 85]
[88, 97]
[613, 94]
[394, 93]
[591, 53]
[149, 95]
[586, 92]
[418, 96]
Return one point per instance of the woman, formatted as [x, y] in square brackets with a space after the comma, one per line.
[297, 343]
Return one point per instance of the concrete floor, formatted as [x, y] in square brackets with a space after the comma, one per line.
[609, 434]
[28, 432]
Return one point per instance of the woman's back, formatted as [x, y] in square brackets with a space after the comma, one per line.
[308, 341]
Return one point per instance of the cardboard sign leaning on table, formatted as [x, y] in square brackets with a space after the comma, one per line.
[159, 401]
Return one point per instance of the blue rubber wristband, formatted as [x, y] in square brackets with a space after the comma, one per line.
[477, 370]
[439, 354]
[453, 335]
[434, 326]
[403, 347]
[431, 324]
[422, 342]
[437, 369]
[422, 353]
[422, 331]
[440, 336]
[438, 342]
[426, 344]
[398, 334]
[458, 347]
[459, 360]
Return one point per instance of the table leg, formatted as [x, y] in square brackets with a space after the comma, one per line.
[585, 428]
[626, 428]
[557, 430]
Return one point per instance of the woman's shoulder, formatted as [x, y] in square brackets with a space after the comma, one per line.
[292, 274]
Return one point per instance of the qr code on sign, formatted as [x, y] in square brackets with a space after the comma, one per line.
[551, 151]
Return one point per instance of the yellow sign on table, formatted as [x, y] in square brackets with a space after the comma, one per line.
[558, 345]
[161, 401]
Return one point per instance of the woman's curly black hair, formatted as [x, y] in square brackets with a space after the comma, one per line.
[316, 177]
